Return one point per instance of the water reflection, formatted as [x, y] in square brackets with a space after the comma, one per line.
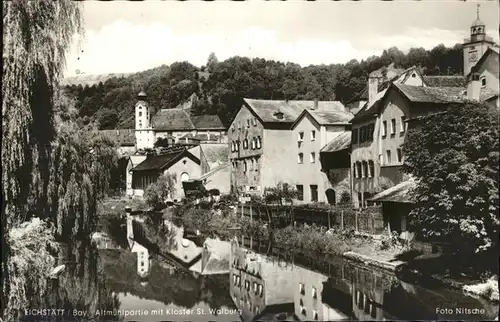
[108, 283]
[269, 283]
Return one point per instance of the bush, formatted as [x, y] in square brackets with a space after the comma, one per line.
[157, 194]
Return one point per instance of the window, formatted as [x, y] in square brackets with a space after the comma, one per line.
[371, 169]
[233, 147]
[370, 129]
[313, 135]
[140, 113]
[140, 124]
[237, 146]
[358, 169]
[483, 82]
[314, 193]
[384, 128]
[239, 125]
[142, 263]
[255, 287]
[248, 123]
[388, 157]
[301, 137]
[253, 143]
[254, 122]
[259, 142]
[359, 199]
[403, 124]
[362, 138]
[354, 136]
[315, 315]
[245, 144]
[354, 172]
[400, 155]
[365, 169]
[300, 192]
[251, 165]
[256, 164]
[302, 289]
[393, 126]
[261, 288]
[301, 158]
[313, 157]
[244, 166]
[314, 293]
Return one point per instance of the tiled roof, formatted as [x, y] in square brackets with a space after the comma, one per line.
[172, 119]
[121, 137]
[207, 122]
[423, 94]
[163, 161]
[266, 110]
[331, 114]
[399, 193]
[200, 137]
[445, 81]
[341, 142]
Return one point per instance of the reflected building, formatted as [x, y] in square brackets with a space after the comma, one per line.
[260, 286]
[367, 292]
[310, 301]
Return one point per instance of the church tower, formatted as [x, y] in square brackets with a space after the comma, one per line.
[144, 135]
[475, 46]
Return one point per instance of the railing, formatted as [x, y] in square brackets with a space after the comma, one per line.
[368, 220]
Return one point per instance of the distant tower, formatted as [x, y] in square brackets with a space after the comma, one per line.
[475, 46]
[144, 135]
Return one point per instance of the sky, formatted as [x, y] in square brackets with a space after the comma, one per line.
[123, 36]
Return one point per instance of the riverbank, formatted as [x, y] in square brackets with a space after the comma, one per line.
[372, 251]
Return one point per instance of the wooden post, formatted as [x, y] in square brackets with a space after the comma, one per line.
[356, 220]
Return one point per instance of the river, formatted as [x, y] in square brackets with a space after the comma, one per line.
[104, 285]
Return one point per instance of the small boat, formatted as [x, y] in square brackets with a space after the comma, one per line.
[56, 271]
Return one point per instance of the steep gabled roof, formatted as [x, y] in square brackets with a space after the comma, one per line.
[267, 110]
[164, 161]
[341, 142]
[329, 113]
[370, 109]
[207, 122]
[173, 119]
[445, 81]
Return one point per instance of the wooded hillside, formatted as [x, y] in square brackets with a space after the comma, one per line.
[220, 86]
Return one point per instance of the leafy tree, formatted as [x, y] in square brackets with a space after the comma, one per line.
[212, 62]
[157, 193]
[454, 156]
[107, 119]
[33, 64]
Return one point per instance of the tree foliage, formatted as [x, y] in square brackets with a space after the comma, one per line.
[454, 155]
[36, 35]
[159, 192]
[221, 91]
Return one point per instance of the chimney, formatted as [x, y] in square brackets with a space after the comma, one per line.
[315, 107]
[474, 88]
[372, 89]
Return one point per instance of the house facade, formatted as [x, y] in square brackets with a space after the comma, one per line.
[312, 131]
[256, 282]
[379, 131]
[260, 136]
[182, 164]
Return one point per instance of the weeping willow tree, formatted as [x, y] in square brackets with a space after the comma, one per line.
[36, 36]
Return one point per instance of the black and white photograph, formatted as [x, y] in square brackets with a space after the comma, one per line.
[250, 160]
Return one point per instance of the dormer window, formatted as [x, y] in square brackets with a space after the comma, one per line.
[279, 115]
[483, 81]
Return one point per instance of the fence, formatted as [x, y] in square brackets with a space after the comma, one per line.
[368, 220]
